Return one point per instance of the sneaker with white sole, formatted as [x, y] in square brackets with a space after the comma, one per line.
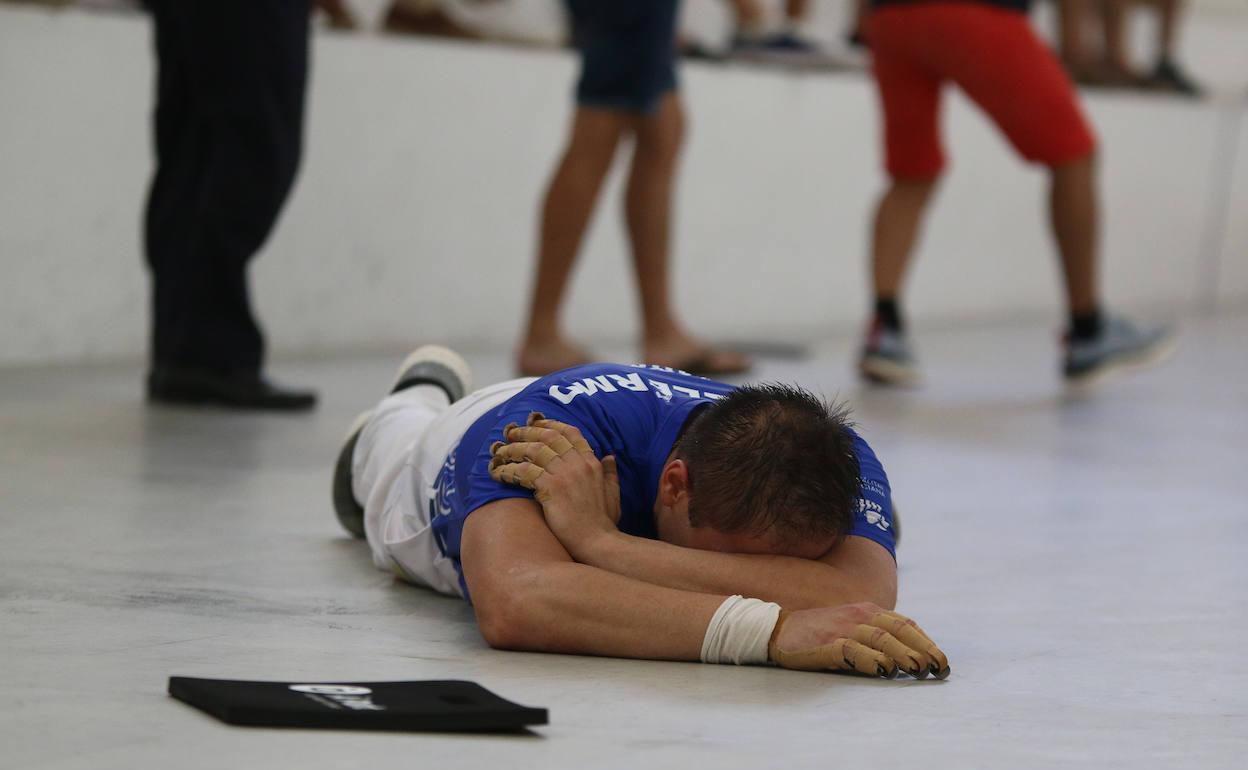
[350, 512]
[427, 365]
[1120, 346]
[435, 365]
[887, 358]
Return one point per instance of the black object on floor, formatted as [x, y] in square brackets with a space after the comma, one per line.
[415, 706]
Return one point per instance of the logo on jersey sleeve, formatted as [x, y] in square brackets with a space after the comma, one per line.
[873, 513]
[444, 487]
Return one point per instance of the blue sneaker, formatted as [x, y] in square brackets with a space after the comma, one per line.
[1121, 346]
[780, 46]
[887, 358]
[788, 42]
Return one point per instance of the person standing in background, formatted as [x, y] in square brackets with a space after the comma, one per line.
[754, 35]
[1109, 64]
[989, 50]
[627, 88]
[228, 138]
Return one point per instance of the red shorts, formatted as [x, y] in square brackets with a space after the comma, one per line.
[994, 56]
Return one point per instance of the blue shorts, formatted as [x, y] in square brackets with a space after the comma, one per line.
[628, 52]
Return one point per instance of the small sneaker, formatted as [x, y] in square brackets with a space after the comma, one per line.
[790, 42]
[428, 365]
[350, 512]
[1168, 76]
[1120, 346]
[887, 358]
[435, 365]
[780, 46]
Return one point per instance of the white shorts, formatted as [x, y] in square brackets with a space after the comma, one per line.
[397, 459]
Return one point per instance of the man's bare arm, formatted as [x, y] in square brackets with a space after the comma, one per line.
[856, 570]
[529, 594]
[579, 496]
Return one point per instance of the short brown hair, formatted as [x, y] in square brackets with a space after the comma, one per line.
[772, 457]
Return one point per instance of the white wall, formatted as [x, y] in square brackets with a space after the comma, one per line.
[1231, 277]
[414, 215]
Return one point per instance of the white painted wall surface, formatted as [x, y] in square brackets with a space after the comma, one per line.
[414, 216]
[1232, 275]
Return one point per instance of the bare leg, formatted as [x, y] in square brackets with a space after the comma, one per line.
[1106, 64]
[569, 203]
[1072, 20]
[861, 8]
[1168, 12]
[797, 10]
[648, 213]
[339, 14]
[1117, 57]
[1073, 209]
[897, 220]
[1167, 74]
[751, 21]
[796, 19]
[415, 17]
[748, 12]
[886, 355]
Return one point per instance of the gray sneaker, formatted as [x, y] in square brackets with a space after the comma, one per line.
[887, 358]
[428, 365]
[1121, 346]
[435, 365]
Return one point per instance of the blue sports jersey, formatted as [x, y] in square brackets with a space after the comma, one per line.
[632, 412]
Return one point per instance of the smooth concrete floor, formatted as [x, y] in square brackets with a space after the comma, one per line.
[1082, 561]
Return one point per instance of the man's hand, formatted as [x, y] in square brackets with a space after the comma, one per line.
[855, 637]
[579, 495]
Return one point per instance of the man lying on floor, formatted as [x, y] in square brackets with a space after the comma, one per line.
[630, 510]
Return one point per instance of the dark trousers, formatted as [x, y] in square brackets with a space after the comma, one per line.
[229, 131]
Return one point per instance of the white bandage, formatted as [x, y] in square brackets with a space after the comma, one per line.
[739, 631]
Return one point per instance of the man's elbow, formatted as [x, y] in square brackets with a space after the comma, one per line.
[497, 632]
[505, 617]
[501, 629]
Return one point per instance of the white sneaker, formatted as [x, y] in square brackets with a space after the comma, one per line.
[435, 365]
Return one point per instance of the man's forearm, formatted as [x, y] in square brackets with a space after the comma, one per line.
[790, 582]
[530, 595]
[576, 608]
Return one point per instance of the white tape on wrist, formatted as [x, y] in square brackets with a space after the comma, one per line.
[739, 631]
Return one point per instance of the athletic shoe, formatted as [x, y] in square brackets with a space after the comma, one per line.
[428, 365]
[1168, 77]
[887, 358]
[788, 42]
[350, 512]
[192, 386]
[435, 365]
[1120, 346]
[782, 46]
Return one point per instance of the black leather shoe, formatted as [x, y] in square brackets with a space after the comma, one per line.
[193, 386]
